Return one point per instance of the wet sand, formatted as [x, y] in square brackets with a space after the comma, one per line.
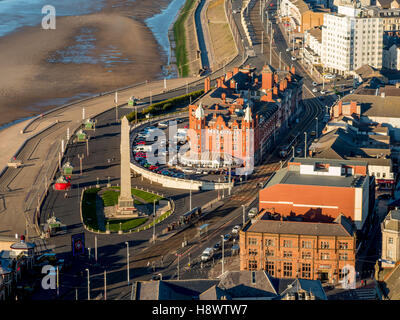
[83, 55]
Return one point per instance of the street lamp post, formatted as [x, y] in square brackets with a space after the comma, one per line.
[88, 284]
[262, 42]
[222, 254]
[316, 126]
[95, 248]
[105, 285]
[81, 156]
[154, 222]
[244, 214]
[127, 261]
[190, 196]
[270, 48]
[305, 145]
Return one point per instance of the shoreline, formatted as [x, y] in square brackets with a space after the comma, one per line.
[119, 50]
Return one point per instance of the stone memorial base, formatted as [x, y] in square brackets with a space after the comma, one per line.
[116, 212]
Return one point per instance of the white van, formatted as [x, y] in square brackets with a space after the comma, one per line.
[207, 254]
[253, 212]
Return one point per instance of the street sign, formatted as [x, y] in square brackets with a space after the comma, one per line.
[78, 244]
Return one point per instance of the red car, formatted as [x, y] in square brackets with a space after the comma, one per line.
[152, 168]
[185, 127]
[140, 155]
[140, 142]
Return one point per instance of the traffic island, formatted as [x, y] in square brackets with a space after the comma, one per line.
[99, 219]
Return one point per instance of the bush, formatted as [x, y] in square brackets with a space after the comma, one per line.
[166, 105]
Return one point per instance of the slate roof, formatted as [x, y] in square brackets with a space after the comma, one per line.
[392, 284]
[232, 285]
[173, 289]
[376, 106]
[311, 286]
[239, 284]
[392, 221]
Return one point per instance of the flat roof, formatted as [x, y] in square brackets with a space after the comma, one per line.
[329, 161]
[292, 177]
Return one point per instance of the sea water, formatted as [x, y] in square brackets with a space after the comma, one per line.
[15, 14]
[159, 25]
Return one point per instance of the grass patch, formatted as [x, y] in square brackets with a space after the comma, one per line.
[180, 39]
[159, 219]
[146, 196]
[126, 224]
[89, 208]
[110, 198]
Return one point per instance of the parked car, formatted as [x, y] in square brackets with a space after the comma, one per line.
[315, 90]
[217, 246]
[329, 76]
[385, 196]
[227, 237]
[293, 58]
[153, 167]
[288, 49]
[299, 151]
[140, 142]
[253, 212]
[236, 229]
[165, 173]
[207, 254]
[323, 92]
[314, 84]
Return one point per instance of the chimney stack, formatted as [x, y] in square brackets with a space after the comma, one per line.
[267, 79]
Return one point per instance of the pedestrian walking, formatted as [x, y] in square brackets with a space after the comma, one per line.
[66, 195]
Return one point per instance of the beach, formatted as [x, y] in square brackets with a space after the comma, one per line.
[84, 55]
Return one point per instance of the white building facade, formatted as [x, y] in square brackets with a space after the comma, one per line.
[351, 39]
